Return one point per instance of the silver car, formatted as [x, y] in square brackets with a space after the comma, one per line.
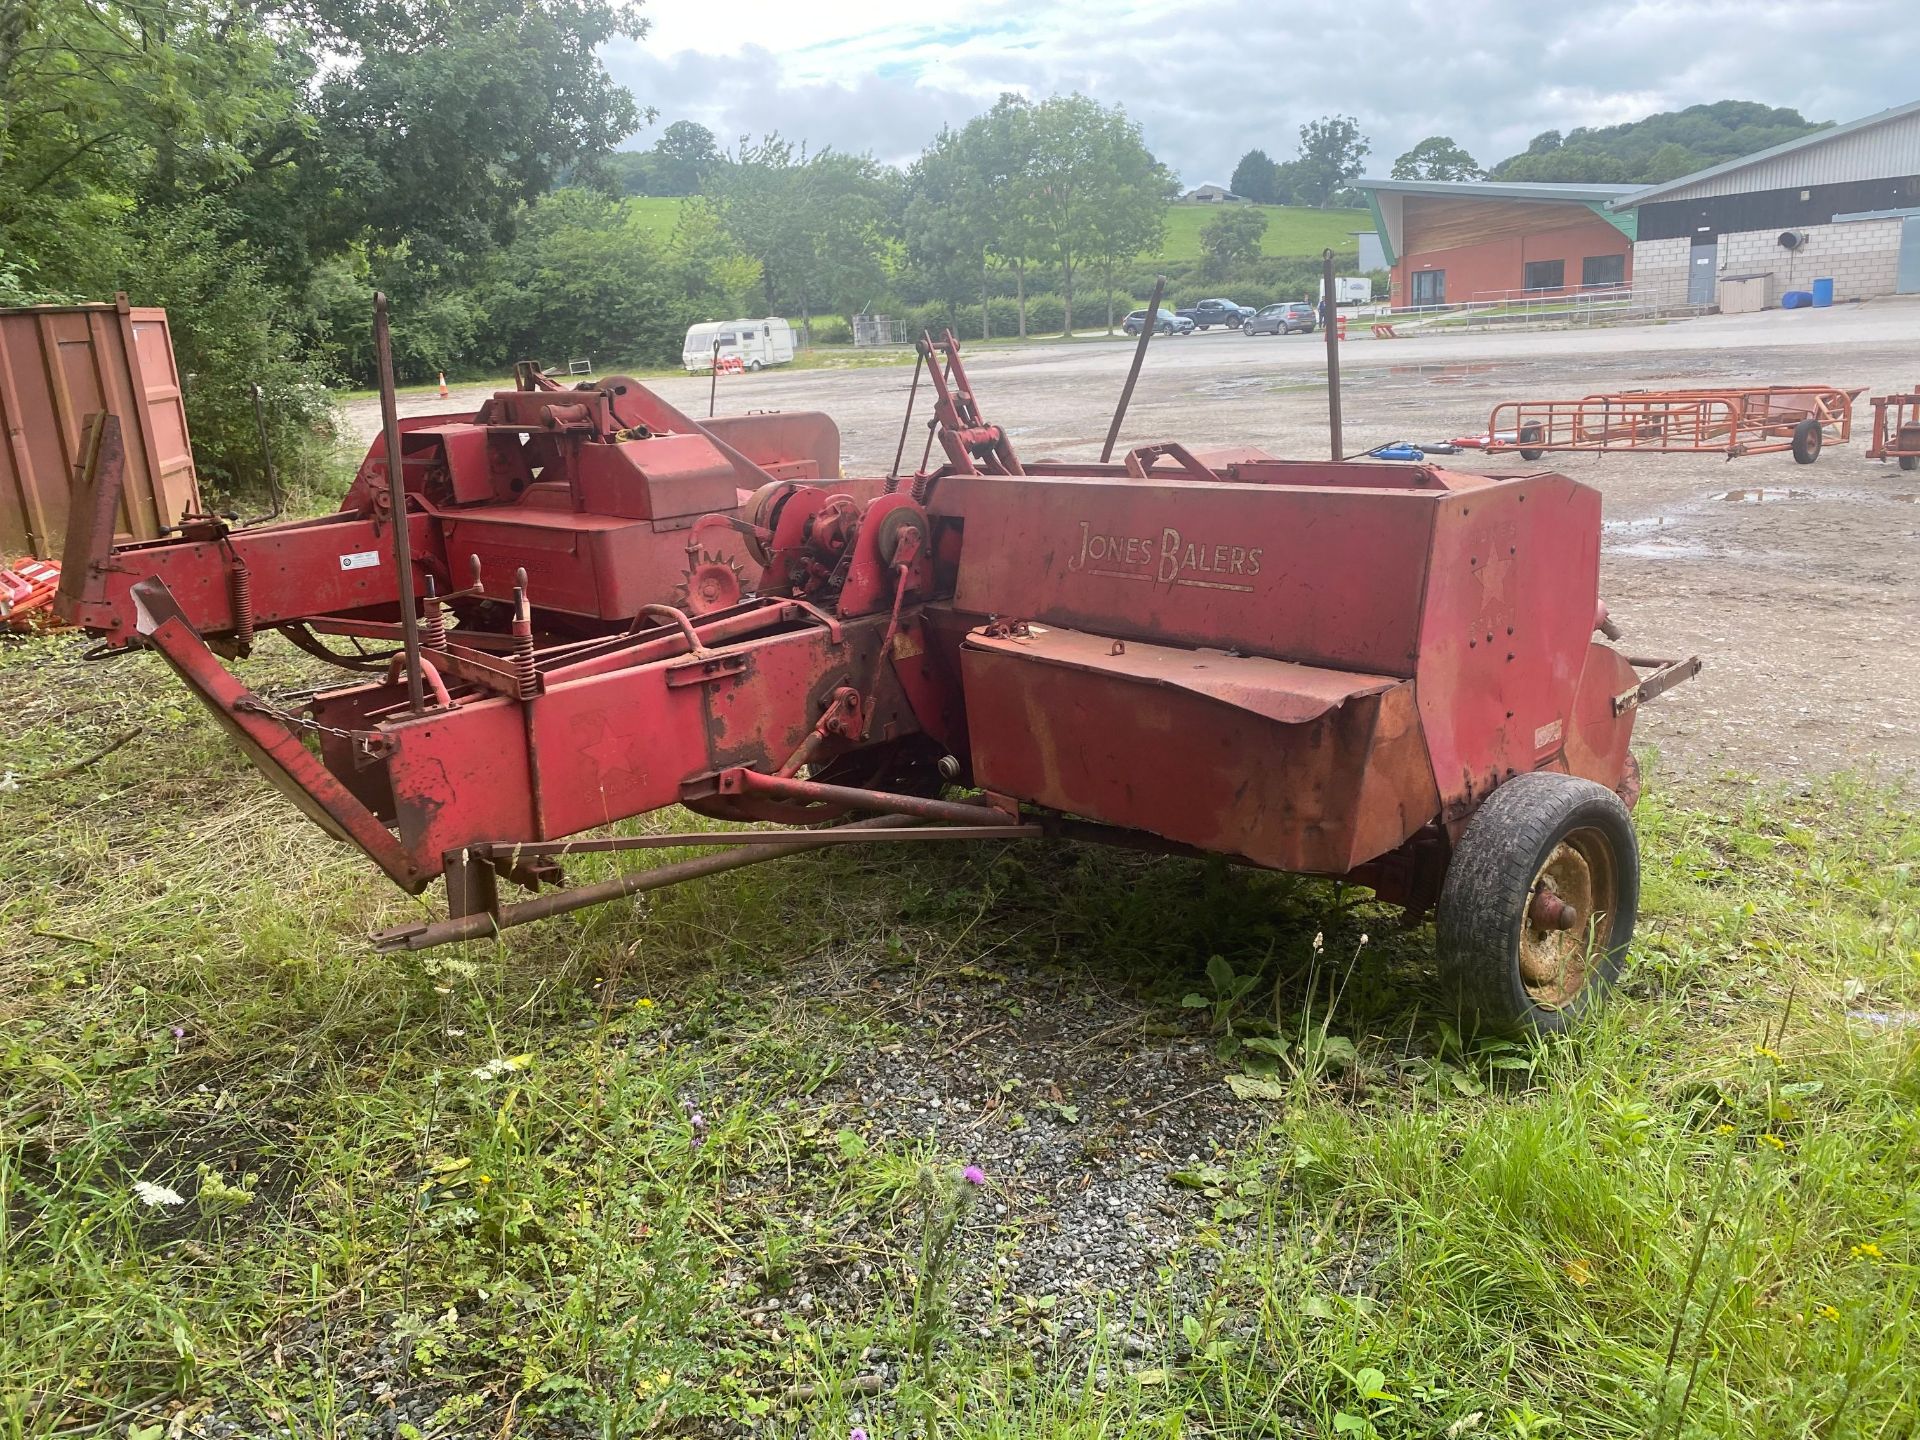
[1286, 318]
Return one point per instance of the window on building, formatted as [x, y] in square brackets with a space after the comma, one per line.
[1546, 274]
[1603, 270]
[1429, 287]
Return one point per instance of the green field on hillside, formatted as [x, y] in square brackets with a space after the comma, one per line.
[1291, 229]
[657, 212]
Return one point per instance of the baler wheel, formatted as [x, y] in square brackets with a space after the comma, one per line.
[1539, 903]
[1807, 440]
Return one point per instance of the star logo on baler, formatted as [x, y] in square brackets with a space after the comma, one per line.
[612, 753]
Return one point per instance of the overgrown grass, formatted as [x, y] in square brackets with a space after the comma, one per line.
[576, 1181]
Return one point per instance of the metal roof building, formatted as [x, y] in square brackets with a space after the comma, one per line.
[1841, 204]
[1452, 242]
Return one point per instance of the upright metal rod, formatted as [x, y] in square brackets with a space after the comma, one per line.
[397, 504]
[713, 384]
[1148, 320]
[919, 359]
[1330, 312]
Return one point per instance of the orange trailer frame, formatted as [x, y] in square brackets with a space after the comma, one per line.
[1896, 429]
[1754, 420]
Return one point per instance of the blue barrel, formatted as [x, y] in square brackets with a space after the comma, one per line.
[1822, 293]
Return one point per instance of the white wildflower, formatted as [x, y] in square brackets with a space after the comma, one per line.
[149, 1193]
[505, 1065]
[8, 781]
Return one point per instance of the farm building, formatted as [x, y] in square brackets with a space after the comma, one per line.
[1841, 204]
[1454, 242]
[1211, 195]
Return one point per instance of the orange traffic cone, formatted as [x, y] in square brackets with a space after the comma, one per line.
[443, 384]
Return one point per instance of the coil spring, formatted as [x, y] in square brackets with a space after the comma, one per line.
[435, 624]
[523, 671]
[240, 586]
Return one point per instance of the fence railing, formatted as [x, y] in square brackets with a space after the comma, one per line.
[1521, 309]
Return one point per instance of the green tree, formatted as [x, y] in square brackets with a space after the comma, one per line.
[818, 225]
[1128, 212]
[1002, 146]
[1660, 147]
[1088, 162]
[1231, 238]
[1257, 178]
[1331, 151]
[946, 223]
[1437, 158]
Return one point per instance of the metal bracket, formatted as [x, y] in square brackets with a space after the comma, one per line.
[1666, 674]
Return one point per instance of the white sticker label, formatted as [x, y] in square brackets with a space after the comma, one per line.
[360, 560]
[1547, 735]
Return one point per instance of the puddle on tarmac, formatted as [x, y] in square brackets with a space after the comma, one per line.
[1660, 550]
[1443, 374]
[1763, 496]
[1239, 385]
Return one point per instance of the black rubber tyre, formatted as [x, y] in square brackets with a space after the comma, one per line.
[1807, 440]
[753, 365]
[1910, 462]
[1530, 432]
[1544, 831]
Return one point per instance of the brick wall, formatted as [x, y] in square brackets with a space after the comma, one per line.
[1861, 257]
[1660, 269]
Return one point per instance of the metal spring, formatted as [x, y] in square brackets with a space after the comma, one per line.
[526, 679]
[240, 587]
[523, 671]
[434, 626]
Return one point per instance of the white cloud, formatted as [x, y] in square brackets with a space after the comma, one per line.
[1210, 81]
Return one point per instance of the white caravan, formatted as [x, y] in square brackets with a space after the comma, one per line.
[1352, 289]
[756, 344]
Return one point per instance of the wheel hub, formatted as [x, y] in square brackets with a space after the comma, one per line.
[1569, 918]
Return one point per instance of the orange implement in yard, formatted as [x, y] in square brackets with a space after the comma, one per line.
[1896, 429]
[1736, 421]
[27, 588]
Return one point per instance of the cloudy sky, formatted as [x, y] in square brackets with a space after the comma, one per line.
[1209, 81]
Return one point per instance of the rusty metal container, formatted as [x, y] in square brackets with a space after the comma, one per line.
[60, 364]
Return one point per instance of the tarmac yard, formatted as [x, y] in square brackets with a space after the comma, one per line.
[1798, 584]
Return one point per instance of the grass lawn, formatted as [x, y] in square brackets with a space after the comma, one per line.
[691, 1164]
[1292, 230]
[659, 213]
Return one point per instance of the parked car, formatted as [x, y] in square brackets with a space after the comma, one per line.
[1283, 319]
[1209, 313]
[1168, 323]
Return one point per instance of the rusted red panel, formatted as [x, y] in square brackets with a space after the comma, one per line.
[1511, 595]
[1597, 739]
[1288, 765]
[313, 567]
[1322, 576]
[460, 778]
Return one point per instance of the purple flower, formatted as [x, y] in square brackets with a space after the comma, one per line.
[974, 1175]
[696, 1122]
[857, 1434]
[179, 1032]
